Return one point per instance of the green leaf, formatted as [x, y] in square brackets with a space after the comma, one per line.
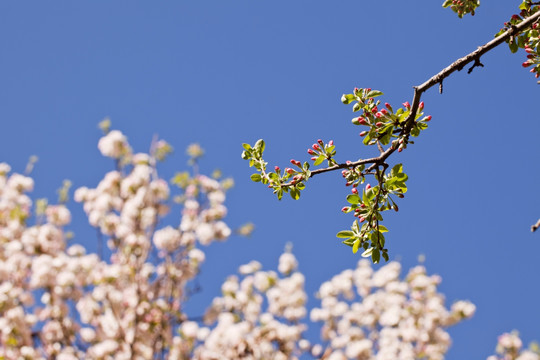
[376, 256]
[353, 199]
[368, 252]
[383, 229]
[246, 146]
[344, 234]
[347, 98]
[356, 245]
[319, 160]
[256, 177]
[385, 255]
[513, 45]
[374, 93]
[300, 186]
[295, 194]
[260, 145]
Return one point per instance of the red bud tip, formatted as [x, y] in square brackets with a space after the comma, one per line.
[400, 149]
[276, 168]
[356, 90]
[363, 133]
[368, 187]
[362, 121]
[378, 114]
[345, 209]
[331, 142]
[314, 158]
[384, 111]
[316, 146]
[526, 64]
[354, 190]
[361, 219]
[515, 17]
[374, 110]
[289, 171]
[388, 106]
[362, 205]
[421, 106]
[310, 152]
[428, 118]
[379, 124]
[407, 105]
[344, 173]
[320, 142]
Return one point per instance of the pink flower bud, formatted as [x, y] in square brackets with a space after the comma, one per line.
[374, 110]
[320, 142]
[361, 219]
[362, 121]
[526, 64]
[379, 124]
[378, 114]
[428, 118]
[331, 142]
[421, 106]
[407, 105]
[310, 152]
[314, 158]
[388, 106]
[368, 187]
[363, 133]
[384, 111]
[354, 190]
[345, 209]
[315, 146]
[289, 171]
[276, 168]
[362, 205]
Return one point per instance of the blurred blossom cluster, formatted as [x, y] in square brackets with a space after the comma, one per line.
[509, 347]
[127, 302]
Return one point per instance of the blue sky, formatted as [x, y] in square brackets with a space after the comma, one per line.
[223, 73]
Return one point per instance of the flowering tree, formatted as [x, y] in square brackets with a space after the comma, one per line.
[390, 129]
[127, 301]
[59, 302]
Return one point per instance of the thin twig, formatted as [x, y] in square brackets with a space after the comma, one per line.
[535, 226]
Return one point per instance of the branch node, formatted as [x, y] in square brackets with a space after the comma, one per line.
[476, 63]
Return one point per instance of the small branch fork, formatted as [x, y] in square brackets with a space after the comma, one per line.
[437, 79]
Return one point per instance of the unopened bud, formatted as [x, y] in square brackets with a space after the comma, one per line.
[345, 209]
[363, 133]
[276, 168]
[368, 187]
[407, 105]
[354, 190]
[421, 106]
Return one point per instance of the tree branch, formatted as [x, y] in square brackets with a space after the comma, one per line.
[436, 79]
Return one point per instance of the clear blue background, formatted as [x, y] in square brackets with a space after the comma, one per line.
[226, 72]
